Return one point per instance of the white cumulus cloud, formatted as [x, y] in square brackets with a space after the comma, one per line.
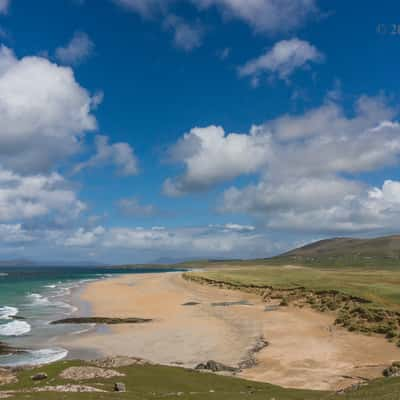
[211, 156]
[44, 113]
[28, 197]
[84, 238]
[307, 166]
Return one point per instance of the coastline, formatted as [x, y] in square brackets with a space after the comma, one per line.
[82, 308]
[305, 350]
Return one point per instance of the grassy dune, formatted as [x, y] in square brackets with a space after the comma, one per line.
[381, 287]
[366, 301]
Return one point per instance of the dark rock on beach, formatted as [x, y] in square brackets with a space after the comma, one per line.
[231, 303]
[101, 320]
[6, 349]
[191, 303]
[251, 360]
[215, 366]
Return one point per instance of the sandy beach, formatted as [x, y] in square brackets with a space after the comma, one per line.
[305, 349]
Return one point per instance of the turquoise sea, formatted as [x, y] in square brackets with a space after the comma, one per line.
[30, 298]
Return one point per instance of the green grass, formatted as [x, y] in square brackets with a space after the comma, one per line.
[154, 382]
[160, 382]
[381, 287]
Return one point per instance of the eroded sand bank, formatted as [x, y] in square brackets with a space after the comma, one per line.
[305, 350]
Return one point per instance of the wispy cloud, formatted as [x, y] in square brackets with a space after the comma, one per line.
[79, 49]
[282, 60]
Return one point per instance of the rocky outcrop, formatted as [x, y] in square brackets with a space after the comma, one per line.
[215, 366]
[86, 373]
[101, 320]
[250, 361]
[7, 376]
[393, 370]
[5, 349]
[67, 389]
[120, 361]
[352, 388]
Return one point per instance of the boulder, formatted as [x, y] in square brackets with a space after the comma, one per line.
[215, 366]
[119, 387]
[40, 376]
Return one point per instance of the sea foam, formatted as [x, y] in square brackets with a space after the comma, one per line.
[38, 300]
[6, 312]
[34, 357]
[15, 328]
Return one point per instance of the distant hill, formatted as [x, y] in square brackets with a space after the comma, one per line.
[30, 263]
[381, 251]
[16, 263]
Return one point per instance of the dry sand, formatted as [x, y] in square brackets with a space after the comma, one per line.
[305, 351]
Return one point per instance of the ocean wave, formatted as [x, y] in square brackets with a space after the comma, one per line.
[34, 357]
[38, 300]
[15, 328]
[6, 312]
[3, 274]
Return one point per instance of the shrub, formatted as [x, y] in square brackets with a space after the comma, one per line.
[391, 334]
[284, 302]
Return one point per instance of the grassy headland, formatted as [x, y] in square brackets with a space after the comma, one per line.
[152, 382]
[156, 382]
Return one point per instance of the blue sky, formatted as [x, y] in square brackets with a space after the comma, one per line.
[133, 130]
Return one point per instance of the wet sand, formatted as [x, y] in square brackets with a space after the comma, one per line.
[305, 349]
